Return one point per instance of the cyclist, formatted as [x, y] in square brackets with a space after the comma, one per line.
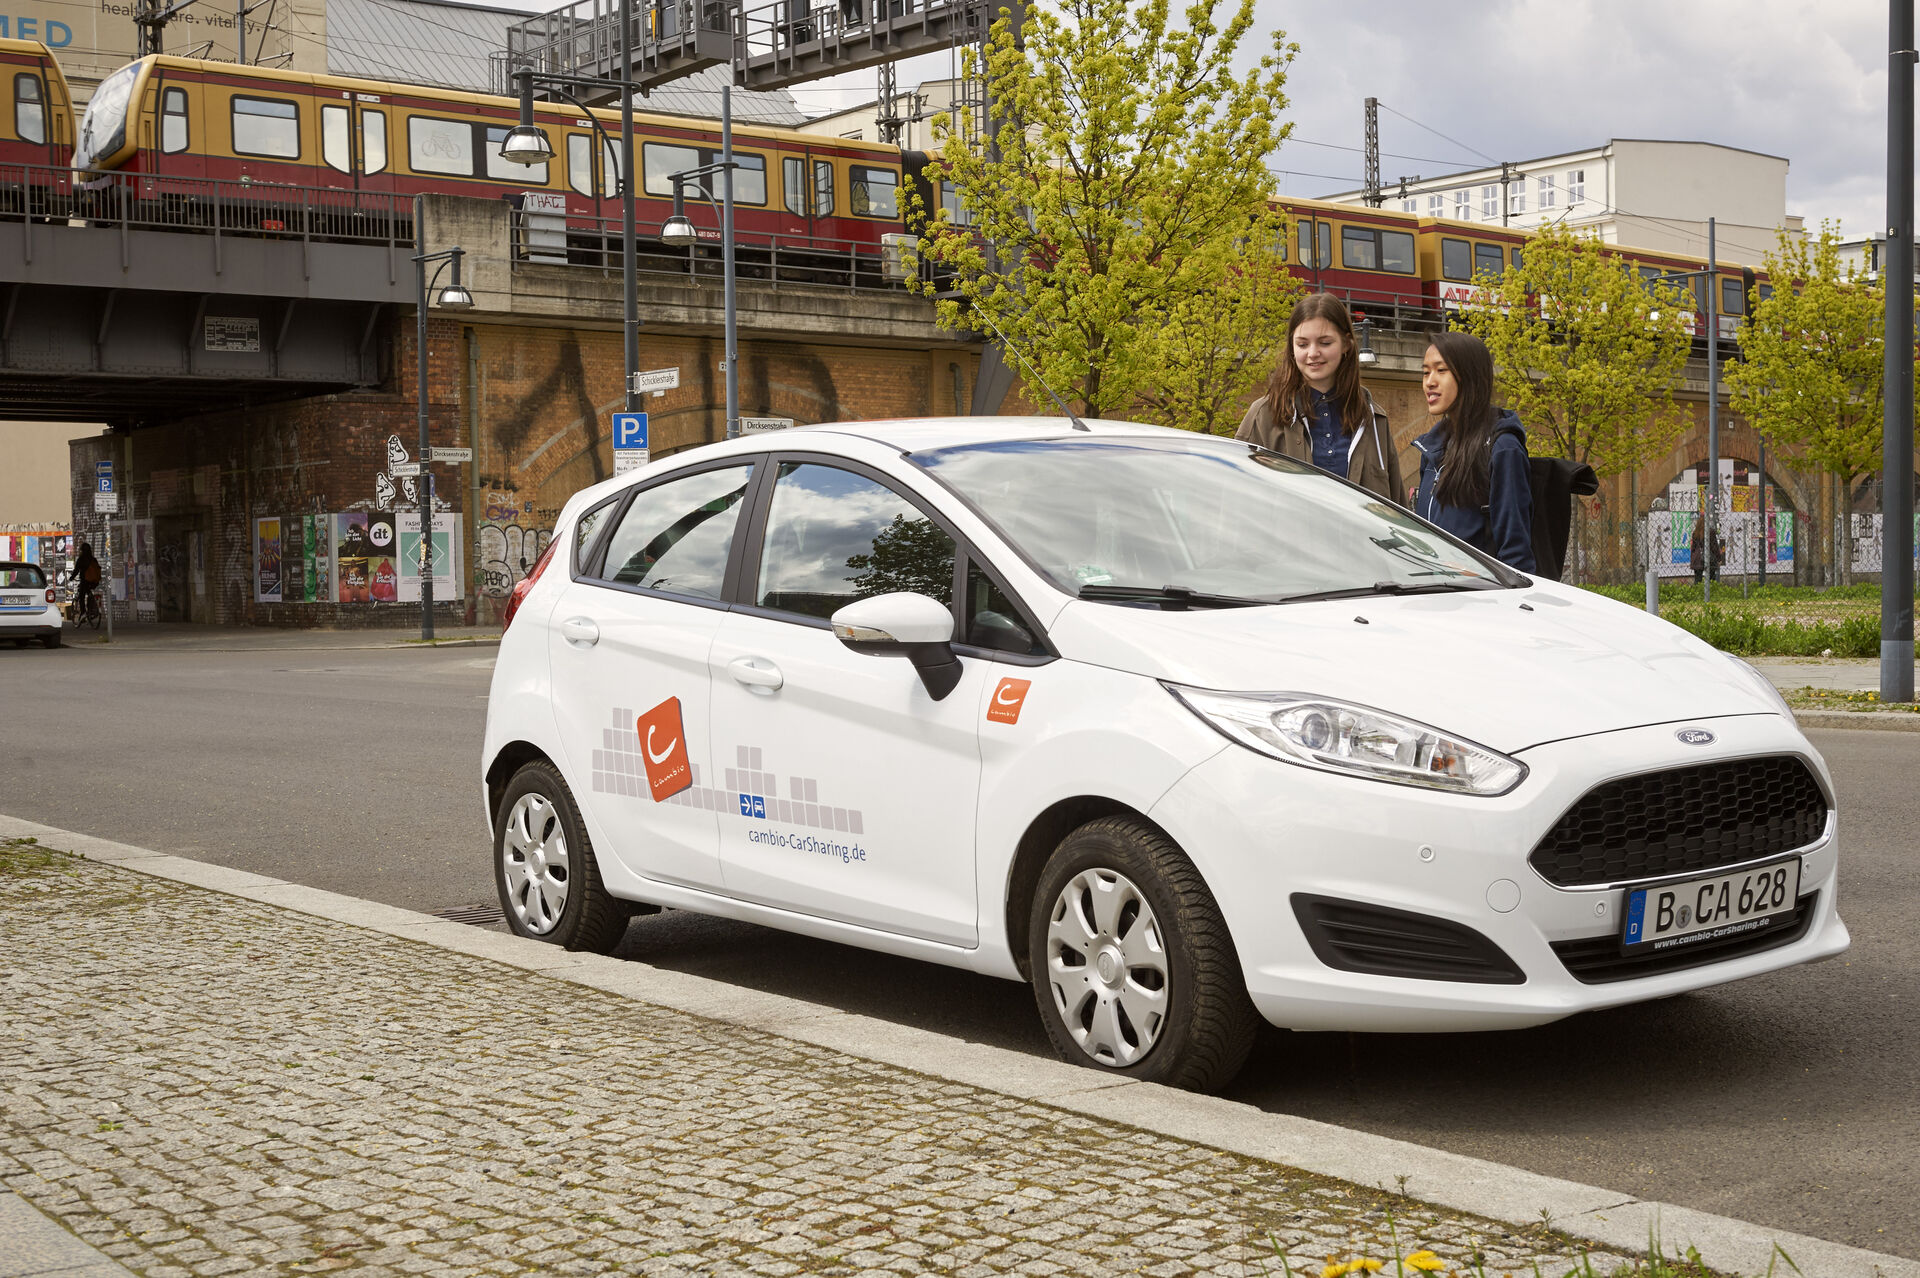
[86, 575]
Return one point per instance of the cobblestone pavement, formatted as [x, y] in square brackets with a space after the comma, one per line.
[199, 1084]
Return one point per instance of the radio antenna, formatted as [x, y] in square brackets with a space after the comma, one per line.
[1038, 380]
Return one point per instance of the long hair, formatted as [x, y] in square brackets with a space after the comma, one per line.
[1468, 425]
[1287, 385]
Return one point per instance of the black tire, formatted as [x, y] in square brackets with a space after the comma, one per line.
[1206, 1023]
[538, 802]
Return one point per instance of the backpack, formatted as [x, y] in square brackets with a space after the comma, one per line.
[1555, 482]
[91, 573]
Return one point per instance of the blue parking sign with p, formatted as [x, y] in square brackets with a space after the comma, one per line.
[104, 472]
[629, 430]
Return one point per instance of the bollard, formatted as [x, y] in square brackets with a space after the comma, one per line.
[1653, 592]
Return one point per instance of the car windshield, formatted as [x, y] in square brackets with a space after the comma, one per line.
[103, 129]
[1217, 520]
[21, 577]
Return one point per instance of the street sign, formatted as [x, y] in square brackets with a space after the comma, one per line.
[103, 473]
[405, 468]
[107, 502]
[447, 454]
[630, 430]
[656, 379]
[761, 425]
[626, 459]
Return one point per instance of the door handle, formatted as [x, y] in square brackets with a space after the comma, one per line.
[580, 630]
[755, 672]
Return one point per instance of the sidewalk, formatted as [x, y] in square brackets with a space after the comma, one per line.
[187, 636]
[208, 1072]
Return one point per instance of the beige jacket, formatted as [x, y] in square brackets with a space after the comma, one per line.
[1372, 460]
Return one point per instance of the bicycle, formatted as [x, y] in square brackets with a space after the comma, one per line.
[84, 609]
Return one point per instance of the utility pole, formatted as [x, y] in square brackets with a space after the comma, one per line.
[149, 20]
[1506, 200]
[1373, 154]
[1896, 461]
[1713, 407]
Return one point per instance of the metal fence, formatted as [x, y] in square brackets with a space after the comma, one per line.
[549, 239]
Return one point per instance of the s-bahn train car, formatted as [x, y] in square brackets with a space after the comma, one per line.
[1453, 253]
[164, 124]
[36, 128]
[1366, 256]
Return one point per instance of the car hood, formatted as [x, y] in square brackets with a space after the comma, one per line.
[1474, 664]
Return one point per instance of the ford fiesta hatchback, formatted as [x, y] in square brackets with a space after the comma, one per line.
[1180, 732]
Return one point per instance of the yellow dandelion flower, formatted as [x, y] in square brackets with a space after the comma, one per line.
[1370, 1266]
[1335, 1270]
[1425, 1261]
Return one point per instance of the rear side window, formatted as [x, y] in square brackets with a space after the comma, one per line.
[676, 535]
[29, 108]
[174, 132]
[873, 192]
[266, 127]
[834, 537]
[590, 524]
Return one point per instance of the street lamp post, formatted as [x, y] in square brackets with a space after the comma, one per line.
[454, 297]
[679, 231]
[1710, 285]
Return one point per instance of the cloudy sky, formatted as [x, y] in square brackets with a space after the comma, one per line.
[1515, 79]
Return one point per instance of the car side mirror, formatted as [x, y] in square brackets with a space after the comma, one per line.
[904, 624]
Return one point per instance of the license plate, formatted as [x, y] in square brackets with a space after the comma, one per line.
[1713, 908]
[15, 601]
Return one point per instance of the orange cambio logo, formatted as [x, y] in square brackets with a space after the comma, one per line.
[665, 744]
[1007, 700]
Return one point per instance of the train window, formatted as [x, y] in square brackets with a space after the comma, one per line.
[29, 108]
[1518, 261]
[173, 121]
[793, 185]
[1766, 292]
[507, 170]
[1358, 251]
[1456, 260]
[823, 191]
[267, 127]
[873, 192]
[335, 139]
[750, 179]
[1488, 259]
[580, 163]
[659, 162]
[373, 141]
[1396, 252]
[439, 146]
[1733, 299]
[610, 170]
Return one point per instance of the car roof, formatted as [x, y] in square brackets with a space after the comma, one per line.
[917, 434]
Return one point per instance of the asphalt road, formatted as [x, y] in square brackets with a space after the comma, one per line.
[1791, 1100]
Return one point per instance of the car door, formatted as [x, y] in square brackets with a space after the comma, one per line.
[629, 647]
[853, 791]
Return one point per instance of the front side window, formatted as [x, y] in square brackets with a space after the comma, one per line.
[1456, 260]
[335, 138]
[440, 146]
[873, 192]
[505, 170]
[676, 535]
[373, 141]
[1358, 252]
[992, 620]
[29, 109]
[834, 537]
[173, 121]
[266, 127]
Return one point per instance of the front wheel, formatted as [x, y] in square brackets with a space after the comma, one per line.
[543, 866]
[1132, 966]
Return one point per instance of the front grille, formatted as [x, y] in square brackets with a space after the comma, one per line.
[1352, 937]
[1597, 960]
[1683, 821]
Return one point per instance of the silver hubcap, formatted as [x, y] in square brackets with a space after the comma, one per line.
[534, 859]
[1107, 967]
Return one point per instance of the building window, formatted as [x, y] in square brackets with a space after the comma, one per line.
[1410, 206]
[266, 127]
[1576, 186]
[29, 109]
[1517, 198]
[1436, 206]
[173, 121]
[440, 146]
[1489, 203]
[1462, 205]
[1548, 192]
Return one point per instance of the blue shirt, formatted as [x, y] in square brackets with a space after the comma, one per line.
[1330, 442]
[1503, 527]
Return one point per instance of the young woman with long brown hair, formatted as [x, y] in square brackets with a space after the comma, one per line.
[1315, 408]
[1474, 477]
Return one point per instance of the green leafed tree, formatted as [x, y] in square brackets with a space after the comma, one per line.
[1108, 220]
[1812, 363]
[1586, 351]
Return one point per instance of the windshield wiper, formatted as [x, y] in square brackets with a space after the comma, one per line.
[1170, 597]
[1396, 588]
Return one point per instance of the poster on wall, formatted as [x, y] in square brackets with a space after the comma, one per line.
[310, 560]
[447, 577]
[350, 557]
[267, 561]
[383, 570]
[146, 580]
[120, 566]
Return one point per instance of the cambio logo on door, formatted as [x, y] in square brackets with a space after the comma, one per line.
[664, 744]
[1007, 700]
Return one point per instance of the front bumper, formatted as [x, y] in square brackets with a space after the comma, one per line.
[1261, 831]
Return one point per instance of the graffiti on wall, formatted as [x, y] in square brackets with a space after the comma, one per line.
[507, 554]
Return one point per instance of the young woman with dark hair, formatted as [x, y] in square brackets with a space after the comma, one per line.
[1474, 477]
[1315, 408]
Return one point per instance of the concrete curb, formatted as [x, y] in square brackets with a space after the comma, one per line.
[1608, 1218]
[34, 1245]
[1859, 720]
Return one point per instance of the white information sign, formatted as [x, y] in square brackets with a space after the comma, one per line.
[656, 379]
[762, 425]
[108, 502]
[449, 454]
[404, 468]
[626, 459]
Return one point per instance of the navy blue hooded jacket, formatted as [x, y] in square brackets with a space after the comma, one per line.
[1503, 527]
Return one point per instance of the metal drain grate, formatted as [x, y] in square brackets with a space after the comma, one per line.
[475, 915]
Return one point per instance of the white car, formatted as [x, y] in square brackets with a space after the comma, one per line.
[27, 607]
[1182, 732]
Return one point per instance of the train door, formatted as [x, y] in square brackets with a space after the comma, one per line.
[174, 133]
[1316, 248]
[806, 195]
[372, 145]
[353, 145]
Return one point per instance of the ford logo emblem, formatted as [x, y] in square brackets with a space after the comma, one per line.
[1695, 736]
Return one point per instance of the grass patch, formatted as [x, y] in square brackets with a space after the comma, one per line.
[1770, 621]
[26, 858]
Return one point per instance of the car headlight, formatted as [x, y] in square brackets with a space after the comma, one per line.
[1337, 736]
[1764, 684]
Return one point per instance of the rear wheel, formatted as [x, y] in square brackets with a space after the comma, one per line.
[543, 866]
[1132, 966]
